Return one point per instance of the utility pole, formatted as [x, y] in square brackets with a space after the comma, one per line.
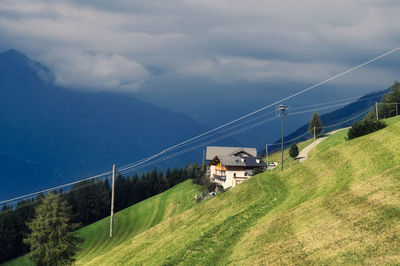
[314, 141]
[112, 201]
[376, 110]
[282, 108]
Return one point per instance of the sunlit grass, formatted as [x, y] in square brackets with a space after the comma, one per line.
[341, 206]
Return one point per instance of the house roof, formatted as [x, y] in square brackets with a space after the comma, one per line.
[213, 151]
[241, 161]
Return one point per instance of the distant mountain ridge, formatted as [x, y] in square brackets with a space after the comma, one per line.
[340, 115]
[51, 135]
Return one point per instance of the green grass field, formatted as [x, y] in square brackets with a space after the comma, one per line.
[130, 222]
[287, 160]
[341, 206]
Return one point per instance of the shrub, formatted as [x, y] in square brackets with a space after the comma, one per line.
[364, 127]
[258, 170]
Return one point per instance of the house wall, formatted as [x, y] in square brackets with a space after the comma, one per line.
[212, 170]
[231, 180]
[240, 175]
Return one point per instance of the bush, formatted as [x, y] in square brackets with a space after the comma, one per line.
[213, 186]
[258, 170]
[364, 127]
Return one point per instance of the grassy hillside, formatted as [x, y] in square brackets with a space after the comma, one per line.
[341, 206]
[130, 222]
[287, 160]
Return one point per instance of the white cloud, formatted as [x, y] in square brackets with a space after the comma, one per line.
[99, 72]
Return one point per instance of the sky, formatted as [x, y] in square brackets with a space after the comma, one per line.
[208, 58]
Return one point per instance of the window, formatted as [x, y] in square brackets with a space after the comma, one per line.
[221, 173]
[234, 174]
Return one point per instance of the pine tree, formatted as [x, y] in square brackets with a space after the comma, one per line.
[294, 151]
[389, 102]
[52, 239]
[315, 122]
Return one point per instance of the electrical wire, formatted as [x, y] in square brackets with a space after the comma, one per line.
[200, 145]
[147, 159]
[73, 189]
[348, 119]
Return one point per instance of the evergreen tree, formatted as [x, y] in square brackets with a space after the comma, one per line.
[8, 235]
[315, 122]
[388, 107]
[52, 239]
[294, 151]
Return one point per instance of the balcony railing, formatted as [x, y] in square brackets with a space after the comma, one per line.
[220, 177]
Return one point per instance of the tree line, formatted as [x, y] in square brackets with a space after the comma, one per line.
[89, 201]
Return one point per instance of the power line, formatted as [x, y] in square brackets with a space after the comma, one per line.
[55, 188]
[147, 159]
[176, 154]
[193, 148]
[33, 201]
[349, 118]
[261, 116]
[334, 125]
[360, 98]
[318, 109]
[280, 101]
[202, 144]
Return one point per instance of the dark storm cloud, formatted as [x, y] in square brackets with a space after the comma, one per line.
[126, 45]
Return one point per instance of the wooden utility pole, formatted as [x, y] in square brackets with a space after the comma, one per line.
[376, 110]
[112, 201]
[314, 141]
[282, 108]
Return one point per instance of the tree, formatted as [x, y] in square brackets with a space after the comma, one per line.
[52, 238]
[294, 151]
[315, 122]
[390, 102]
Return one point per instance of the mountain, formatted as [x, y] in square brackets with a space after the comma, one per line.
[341, 117]
[52, 135]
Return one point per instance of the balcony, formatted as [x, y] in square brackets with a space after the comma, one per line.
[220, 177]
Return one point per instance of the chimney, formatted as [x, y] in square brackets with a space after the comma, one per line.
[258, 161]
[242, 160]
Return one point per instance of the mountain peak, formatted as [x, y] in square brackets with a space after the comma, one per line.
[15, 62]
[13, 54]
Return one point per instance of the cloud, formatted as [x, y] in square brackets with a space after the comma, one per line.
[123, 45]
[99, 71]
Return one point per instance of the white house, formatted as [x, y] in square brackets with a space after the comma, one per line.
[229, 166]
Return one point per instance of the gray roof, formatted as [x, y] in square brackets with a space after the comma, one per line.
[237, 161]
[213, 151]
